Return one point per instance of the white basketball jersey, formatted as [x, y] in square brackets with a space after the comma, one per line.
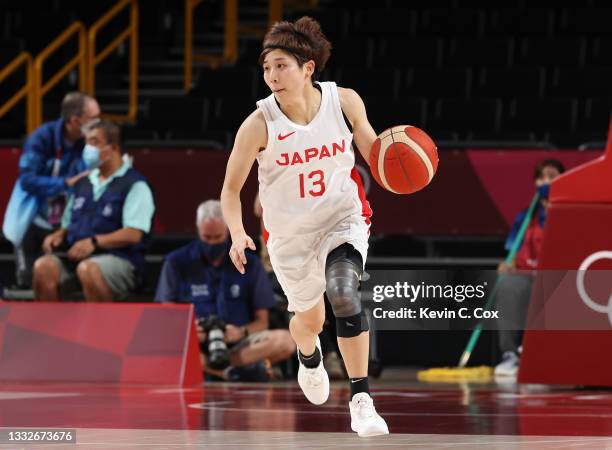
[307, 180]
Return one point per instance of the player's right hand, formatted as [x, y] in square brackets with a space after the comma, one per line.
[239, 244]
[70, 182]
[52, 241]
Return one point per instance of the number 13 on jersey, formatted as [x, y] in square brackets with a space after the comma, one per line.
[316, 181]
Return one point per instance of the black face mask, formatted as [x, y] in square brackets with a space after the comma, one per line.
[212, 252]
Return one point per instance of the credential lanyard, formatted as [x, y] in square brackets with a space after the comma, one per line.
[57, 163]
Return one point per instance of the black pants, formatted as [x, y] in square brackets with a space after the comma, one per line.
[27, 253]
[512, 301]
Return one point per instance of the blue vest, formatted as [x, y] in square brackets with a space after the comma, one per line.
[104, 216]
[222, 291]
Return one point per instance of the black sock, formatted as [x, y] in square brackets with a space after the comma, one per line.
[359, 385]
[311, 361]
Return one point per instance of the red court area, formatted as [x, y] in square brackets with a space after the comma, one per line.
[61, 369]
[419, 414]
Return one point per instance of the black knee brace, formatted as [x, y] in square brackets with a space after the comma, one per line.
[352, 326]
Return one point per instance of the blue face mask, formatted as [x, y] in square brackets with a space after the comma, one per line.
[544, 190]
[212, 252]
[91, 156]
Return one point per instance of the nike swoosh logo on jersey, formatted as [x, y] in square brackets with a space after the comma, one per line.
[281, 137]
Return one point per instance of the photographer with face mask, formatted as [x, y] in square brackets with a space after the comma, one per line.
[231, 308]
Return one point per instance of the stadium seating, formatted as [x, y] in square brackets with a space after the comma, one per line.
[455, 51]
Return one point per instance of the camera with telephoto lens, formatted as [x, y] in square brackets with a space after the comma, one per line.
[218, 354]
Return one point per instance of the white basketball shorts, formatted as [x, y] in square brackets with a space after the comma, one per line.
[299, 261]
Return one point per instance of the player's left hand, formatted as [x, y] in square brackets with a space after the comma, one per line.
[239, 245]
[81, 249]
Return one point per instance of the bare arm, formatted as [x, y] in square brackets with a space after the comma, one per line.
[54, 240]
[117, 239]
[260, 323]
[251, 137]
[363, 133]
[120, 238]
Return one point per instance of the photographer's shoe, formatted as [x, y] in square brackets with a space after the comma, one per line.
[364, 418]
[314, 382]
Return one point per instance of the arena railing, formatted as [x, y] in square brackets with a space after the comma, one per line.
[94, 58]
[25, 91]
[275, 14]
[231, 30]
[39, 89]
[230, 46]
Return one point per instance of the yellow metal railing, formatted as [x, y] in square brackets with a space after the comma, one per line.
[275, 11]
[87, 58]
[188, 43]
[230, 48]
[275, 14]
[25, 91]
[94, 59]
[38, 88]
[231, 30]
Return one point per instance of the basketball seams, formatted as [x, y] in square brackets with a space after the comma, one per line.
[413, 149]
[423, 155]
[401, 161]
[425, 142]
[417, 148]
[381, 162]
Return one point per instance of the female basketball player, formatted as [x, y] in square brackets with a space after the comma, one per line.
[314, 207]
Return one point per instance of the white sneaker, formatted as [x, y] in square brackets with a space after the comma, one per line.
[364, 418]
[509, 365]
[314, 382]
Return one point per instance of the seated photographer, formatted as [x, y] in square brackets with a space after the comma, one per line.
[105, 226]
[232, 309]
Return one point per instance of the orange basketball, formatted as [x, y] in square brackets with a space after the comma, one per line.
[403, 159]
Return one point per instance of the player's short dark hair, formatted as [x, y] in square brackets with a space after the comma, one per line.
[73, 104]
[539, 168]
[303, 39]
[112, 132]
